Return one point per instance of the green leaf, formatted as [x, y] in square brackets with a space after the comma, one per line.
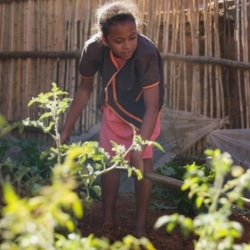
[46, 115]
[199, 201]
[161, 221]
[170, 226]
[77, 208]
[97, 190]
[158, 146]
[9, 194]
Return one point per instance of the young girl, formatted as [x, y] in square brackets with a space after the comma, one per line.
[132, 93]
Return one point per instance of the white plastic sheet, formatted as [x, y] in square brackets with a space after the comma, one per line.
[180, 130]
[234, 141]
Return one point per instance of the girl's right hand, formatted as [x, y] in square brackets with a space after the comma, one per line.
[63, 138]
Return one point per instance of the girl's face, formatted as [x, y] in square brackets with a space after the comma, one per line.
[122, 39]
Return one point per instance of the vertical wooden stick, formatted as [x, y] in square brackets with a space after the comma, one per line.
[237, 42]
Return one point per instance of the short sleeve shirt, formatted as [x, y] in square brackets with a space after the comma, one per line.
[122, 88]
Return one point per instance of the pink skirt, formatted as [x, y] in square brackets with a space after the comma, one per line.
[113, 128]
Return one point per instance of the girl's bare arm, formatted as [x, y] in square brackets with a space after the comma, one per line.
[78, 104]
[151, 100]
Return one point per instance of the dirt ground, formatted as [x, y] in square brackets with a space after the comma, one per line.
[92, 221]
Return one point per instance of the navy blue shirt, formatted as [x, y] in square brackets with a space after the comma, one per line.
[122, 89]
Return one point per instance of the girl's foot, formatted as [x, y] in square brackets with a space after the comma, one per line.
[140, 232]
[109, 231]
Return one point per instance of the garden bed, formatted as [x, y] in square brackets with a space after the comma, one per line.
[92, 221]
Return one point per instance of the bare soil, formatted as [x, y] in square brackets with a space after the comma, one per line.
[92, 222]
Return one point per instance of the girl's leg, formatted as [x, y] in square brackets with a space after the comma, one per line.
[142, 196]
[110, 186]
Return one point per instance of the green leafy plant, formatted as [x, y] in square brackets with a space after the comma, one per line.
[53, 104]
[29, 170]
[129, 242]
[31, 223]
[172, 197]
[213, 228]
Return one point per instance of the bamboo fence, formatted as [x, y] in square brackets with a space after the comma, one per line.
[204, 45]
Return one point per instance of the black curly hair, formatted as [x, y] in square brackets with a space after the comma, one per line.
[119, 11]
